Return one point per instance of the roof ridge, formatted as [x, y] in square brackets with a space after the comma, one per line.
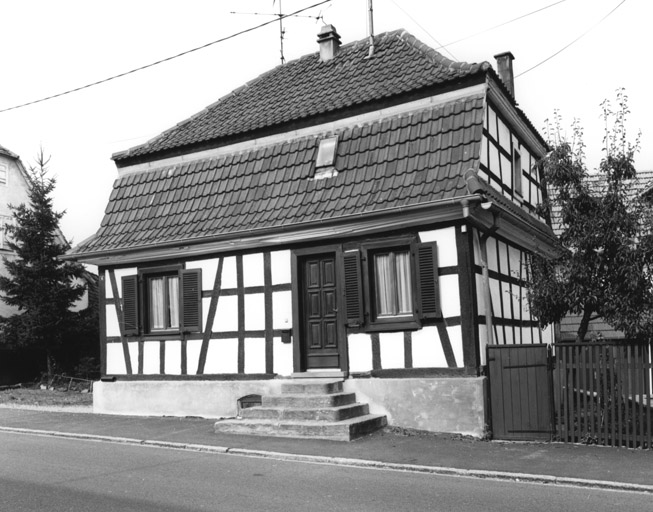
[436, 56]
[436, 68]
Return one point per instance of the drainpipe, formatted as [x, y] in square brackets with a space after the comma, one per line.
[483, 238]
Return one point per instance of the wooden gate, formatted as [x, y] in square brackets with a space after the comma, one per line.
[520, 391]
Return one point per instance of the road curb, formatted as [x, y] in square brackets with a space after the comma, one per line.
[343, 461]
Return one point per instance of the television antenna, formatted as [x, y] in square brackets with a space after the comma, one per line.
[281, 16]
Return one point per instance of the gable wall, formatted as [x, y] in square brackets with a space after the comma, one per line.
[497, 162]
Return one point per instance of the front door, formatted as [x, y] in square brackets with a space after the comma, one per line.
[320, 312]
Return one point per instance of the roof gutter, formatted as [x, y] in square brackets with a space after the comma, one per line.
[369, 222]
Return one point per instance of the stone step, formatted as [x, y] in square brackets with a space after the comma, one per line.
[345, 430]
[311, 387]
[308, 401]
[316, 414]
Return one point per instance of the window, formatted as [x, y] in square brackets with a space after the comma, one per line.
[326, 158]
[162, 300]
[4, 235]
[517, 172]
[4, 174]
[391, 285]
[163, 303]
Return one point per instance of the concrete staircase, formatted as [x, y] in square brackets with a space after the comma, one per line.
[309, 408]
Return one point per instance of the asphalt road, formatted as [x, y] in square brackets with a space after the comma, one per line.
[52, 474]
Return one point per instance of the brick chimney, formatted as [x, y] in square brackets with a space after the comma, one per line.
[329, 41]
[504, 68]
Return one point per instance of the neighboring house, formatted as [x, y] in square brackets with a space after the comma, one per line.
[598, 328]
[359, 212]
[14, 190]
[15, 183]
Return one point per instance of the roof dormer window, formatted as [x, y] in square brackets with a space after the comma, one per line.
[326, 158]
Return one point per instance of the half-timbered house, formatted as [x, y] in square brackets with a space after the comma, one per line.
[361, 213]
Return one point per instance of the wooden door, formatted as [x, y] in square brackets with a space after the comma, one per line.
[320, 312]
[520, 392]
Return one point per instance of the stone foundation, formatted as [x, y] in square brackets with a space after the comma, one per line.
[453, 405]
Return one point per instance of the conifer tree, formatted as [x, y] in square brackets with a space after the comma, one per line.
[38, 283]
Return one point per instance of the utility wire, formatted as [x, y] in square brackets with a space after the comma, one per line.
[167, 59]
[426, 31]
[574, 41]
[501, 24]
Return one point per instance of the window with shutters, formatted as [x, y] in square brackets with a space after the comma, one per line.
[391, 285]
[162, 300]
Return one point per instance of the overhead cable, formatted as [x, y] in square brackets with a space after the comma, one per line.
[167, 59]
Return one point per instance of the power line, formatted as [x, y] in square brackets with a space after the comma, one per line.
[574, 41]
[426, 31]
[501, 24]
[167, 59]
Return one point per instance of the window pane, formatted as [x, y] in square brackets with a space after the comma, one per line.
[157, 303]
[173, 300]
[385, 295]
[404, 284]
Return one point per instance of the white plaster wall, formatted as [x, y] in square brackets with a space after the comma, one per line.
[193, 349]
[427, 349]
[226, 314]
[360, 352]
[455, 405]
[222, 356]
[172, 363]
[254, 312]
[456, 338]
[115, 359]
[254, 355]
[229, 275]
[282, 310]
[504, 135]
[391, 346]
[282, 357]
[151, 357]
[112, 324]
[281, 270]
[253, 270]
[449, 296]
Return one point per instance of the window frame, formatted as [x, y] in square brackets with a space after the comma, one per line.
[517, 174]
[147, 303]
[374, 322]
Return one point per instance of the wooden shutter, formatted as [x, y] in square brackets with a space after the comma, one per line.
[428, 291]
[353, 288]
[191, 300]
[130, 325]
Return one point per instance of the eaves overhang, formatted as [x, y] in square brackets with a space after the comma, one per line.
[532, 235]
[365, 223]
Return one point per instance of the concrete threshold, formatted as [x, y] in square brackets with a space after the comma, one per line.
[358, 463]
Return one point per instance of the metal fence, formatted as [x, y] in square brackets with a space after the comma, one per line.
[603, 393]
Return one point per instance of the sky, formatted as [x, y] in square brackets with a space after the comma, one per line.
[570, 55]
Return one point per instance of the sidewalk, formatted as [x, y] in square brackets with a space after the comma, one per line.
[589, 466]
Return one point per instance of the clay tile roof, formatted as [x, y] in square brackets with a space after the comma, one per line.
[308, 87]
[387, 163]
